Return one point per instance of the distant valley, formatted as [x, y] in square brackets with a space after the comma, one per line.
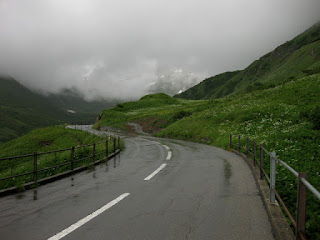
[22, 109]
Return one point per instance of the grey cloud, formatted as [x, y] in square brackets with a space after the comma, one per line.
[117, 48]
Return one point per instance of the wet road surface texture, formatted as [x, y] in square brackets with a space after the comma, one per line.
[155, 189]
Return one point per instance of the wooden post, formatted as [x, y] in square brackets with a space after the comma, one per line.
[247, 147]
[254, 153]
[35, 167]
[114, 144]
[230, 142]
[261, 162]
[272, 176]
[239, 143]
[94, 153]
[301, 204]
[107, 149]
[118, 142]
[72, 158]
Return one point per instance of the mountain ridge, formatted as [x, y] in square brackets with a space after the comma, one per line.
[269, 70]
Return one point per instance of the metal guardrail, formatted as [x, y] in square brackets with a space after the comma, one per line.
[115, 143]
[303, 184]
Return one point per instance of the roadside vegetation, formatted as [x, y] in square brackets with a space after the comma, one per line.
[285, 118]
[45, 140]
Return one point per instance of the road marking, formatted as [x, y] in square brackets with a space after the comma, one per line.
[169, 155]
[166, 147]
[155, 172]
[88, 218]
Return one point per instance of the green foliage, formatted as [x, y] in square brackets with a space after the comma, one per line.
[22, 110]
[45, 140]
[285, 118]
[181, 114]
[296, 58]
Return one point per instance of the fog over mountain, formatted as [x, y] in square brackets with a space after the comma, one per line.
[119, 48]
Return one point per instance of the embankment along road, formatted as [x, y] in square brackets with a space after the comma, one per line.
[155, 189]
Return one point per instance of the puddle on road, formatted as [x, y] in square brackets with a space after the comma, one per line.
[227, 171]
[20, 196]
[35, 194]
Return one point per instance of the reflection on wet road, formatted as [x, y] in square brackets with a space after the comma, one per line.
[202, 192]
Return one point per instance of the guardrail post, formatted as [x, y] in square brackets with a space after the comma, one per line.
[261, 162]
[272, 176]
[94, 153]
[230, 142]
[35, 167]
[114, 144]
[247, 147]
[72, 158]
[107, 149]
[118, 142]
[254, 153]
[301, 206]
[239, 143]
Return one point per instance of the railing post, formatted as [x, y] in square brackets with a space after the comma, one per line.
[107, 149]
[118, 142]
[254, 153]
[272, 176]
[114, 144]
[94, 153]
[247, 147]
[230, 142]
[72, 158]
[239, 143]
[35, 167]
[301, 206]
[261, 162]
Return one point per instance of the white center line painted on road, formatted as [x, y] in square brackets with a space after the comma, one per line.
[166, 147]
[169, 155]
[155, 172]
[88, 218]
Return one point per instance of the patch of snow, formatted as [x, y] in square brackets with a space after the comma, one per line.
[71, 111]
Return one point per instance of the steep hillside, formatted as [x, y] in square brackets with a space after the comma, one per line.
[22, 110]
[296, 58]
[206, 89]
[285, 118]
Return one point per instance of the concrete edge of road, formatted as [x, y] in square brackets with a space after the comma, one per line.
[44, 181]
[278, 221]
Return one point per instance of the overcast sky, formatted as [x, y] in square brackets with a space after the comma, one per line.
[116, 48]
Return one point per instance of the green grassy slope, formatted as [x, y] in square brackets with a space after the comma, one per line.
[285, 118]
[158, 110]
[206, 89]
[288, 61]
[44, 140]
[22, 110]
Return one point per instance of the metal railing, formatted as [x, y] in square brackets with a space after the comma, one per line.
[250, 150]
[73, 161]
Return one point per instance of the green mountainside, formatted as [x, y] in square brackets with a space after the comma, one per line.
[22, 110]
[293, 59]
[285, 118]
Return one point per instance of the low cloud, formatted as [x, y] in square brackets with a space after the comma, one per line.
[116, 49]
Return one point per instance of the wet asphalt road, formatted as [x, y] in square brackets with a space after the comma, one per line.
[203, 192]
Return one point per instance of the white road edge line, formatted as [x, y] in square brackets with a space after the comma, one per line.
[155, 172]
[88, 218]
[169, 155]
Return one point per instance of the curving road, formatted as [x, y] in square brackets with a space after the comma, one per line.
[155, 189]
